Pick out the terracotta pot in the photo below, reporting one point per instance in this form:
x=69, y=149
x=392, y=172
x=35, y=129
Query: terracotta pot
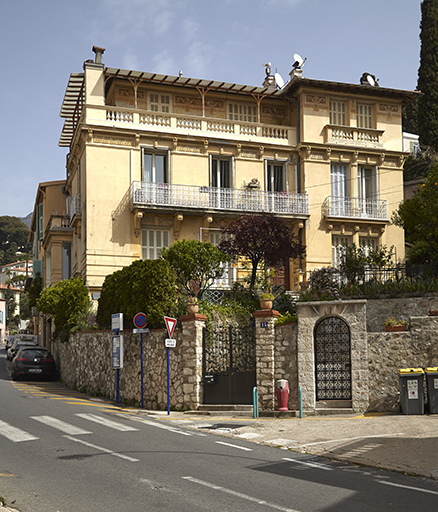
x=433, y=312
x=192, y=308
x=396, y=328
x=265, y=304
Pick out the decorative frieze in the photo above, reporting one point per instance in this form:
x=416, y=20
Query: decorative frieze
x=113, y=141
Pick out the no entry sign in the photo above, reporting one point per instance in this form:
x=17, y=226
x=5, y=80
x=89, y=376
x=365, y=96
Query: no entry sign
x=140, y=320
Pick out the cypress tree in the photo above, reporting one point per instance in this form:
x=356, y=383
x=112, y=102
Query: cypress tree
x=428, y=75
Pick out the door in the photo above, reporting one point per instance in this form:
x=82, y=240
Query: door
x=220, y=195
x=339, y=190
x=229, y=365
x=332, y=359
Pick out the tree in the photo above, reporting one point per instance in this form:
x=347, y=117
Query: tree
x=196, y=265
x=263, y=239
x=418, y=216
x=355, y=260
x=146, y=286
x=14, y=236
x=65, y=301
x=428, y=75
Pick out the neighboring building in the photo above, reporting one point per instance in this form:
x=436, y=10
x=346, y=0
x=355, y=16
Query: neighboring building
x=411, y=143
x=17, y=293
x=17, y=268
x=3, y=332
x=157, y=158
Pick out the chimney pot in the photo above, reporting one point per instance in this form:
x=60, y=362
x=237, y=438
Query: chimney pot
x=99, y=52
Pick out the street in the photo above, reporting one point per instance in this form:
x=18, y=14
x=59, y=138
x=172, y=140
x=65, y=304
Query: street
x=63, y=451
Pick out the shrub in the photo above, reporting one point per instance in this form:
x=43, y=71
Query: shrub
x=323, y=284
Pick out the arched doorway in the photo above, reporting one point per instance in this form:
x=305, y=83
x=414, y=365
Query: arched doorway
x=332, y=359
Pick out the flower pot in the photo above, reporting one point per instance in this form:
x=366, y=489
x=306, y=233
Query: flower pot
x=192, y=308
x=265, y=304
x=396, y=328
x=433, y=312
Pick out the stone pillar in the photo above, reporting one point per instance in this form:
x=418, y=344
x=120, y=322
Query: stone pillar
x=191, y=352
x=265, y=364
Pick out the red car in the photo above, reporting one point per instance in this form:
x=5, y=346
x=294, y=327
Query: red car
x=34, y=362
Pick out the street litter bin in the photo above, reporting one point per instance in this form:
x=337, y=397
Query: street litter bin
x=282, y=392
x=432, y=389
x=411, y=390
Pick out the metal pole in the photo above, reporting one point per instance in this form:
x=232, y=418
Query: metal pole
x=141, y=367
x=168, y=383
x=255, y=402
x=117, y=385
x=301, y=402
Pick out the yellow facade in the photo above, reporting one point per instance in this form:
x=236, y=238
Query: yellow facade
x=156, y=158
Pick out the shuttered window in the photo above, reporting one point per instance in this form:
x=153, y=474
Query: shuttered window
x=337, y=113
x=239, y=112
x=152, y=241
x=159, y=102
x=364, y=116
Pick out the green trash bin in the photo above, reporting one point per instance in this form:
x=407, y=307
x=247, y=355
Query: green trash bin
x=411, y=390
x=432, y=389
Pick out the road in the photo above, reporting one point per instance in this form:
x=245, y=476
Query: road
x=63, y=451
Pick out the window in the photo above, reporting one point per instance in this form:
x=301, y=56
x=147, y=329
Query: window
x=338, y=246
x=275, y=177
x=369, y=244
x=339, y=189
x=66, y=260
x=364, y=116
x=239, y=112
x=220, y=172
x=155, y=167
x=367, y=185
x=159, y=103
x=215, y=235
x=337, y=113
x=152, y=241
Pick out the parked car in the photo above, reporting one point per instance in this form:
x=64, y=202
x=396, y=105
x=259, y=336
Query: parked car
x=33, y=362
x=18, y=342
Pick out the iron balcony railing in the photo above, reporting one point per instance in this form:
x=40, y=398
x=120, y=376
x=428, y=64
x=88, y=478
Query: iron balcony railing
x=145, y=194
x=74, y=205
x=355, y=208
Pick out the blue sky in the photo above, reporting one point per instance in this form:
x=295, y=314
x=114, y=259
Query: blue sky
x=43, y=41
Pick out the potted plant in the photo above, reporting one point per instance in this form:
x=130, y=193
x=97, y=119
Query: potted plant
x=266, y=300
x=433, y=312
x=192, y=305
x=393, y=325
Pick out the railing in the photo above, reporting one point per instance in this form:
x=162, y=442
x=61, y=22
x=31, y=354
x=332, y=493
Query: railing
x=57, y=221
x=144, y=194
x=351, y=135
x=354, y=208
x=74, y=205
x=179, y=123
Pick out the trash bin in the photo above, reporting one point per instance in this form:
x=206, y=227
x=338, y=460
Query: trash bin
x=432, y=389
x=411, y=390
x=282, y=392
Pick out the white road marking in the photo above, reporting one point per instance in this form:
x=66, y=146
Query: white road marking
x=106, y=422
x=61, y=425
x=316, y=465
x=347, y=439
x=238, y=494
x=154, y=423
x=419, y=489
x=100, y=448
x=235, y=446
x=15, y=434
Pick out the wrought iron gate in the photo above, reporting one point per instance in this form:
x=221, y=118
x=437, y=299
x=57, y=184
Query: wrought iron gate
x=332, y=359
x=229, y=365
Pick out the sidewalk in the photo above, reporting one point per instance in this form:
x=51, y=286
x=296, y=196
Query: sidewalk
x=404, y=443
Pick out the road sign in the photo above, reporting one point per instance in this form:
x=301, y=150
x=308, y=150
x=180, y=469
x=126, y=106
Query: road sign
x=140, y=320
x=141, y=331
x=117, y=352
x=170, y=343
x=117, y=322
x=170, y=324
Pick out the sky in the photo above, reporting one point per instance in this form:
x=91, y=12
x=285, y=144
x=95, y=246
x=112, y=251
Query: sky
x=43, y=41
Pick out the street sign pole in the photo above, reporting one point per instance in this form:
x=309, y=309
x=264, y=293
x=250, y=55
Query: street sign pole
x=116, y=327
x=170, y=325
x=140, y=323
x=168, y=383
x=141, y=368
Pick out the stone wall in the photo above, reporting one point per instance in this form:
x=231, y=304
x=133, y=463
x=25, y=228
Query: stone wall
x=85, y=363
x=286, y=361
x=378, y=310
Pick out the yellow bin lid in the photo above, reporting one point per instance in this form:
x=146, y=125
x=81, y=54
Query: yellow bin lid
x=410, y=370
x=431, y=370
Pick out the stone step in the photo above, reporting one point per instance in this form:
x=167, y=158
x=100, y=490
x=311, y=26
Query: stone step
x=223, y=410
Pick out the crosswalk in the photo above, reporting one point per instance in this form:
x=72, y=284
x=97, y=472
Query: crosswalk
x=17, y=435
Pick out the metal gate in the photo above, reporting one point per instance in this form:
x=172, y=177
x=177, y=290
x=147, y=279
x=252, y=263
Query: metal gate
x=229, y=365
x=333, y=359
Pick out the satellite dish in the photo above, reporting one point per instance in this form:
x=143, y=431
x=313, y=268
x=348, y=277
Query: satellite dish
x=371, y=80
x=298, y=61
x=279, y=80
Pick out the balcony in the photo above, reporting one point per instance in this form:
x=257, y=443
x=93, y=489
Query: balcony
x=74, y=207
x=353, y=136
x=355, y=208
x=185, y=125
x=187, y=197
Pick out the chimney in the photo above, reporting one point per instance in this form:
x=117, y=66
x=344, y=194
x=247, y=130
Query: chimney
x=296, y=73
x=99, y=52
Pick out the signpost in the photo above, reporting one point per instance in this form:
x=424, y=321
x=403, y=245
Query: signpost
x=170, y=343
x=140, y=323
x=117, y=348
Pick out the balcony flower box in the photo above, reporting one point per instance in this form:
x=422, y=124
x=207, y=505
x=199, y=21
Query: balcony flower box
x=393, y=325
x=433, y=312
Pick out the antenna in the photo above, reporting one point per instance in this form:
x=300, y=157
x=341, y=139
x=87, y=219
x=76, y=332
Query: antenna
x=298, y=61
x=279, y=80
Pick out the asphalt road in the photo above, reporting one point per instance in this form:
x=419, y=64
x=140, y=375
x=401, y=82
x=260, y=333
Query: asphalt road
x=62, y=451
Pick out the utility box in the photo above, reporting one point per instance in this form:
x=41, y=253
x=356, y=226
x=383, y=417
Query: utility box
x=411, y=390
x=432, y=389
x=282, y=392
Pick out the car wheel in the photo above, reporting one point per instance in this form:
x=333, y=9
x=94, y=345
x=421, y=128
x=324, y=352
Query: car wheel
x=14, y=376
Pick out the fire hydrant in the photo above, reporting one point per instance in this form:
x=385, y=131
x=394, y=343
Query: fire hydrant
x=282, y=391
